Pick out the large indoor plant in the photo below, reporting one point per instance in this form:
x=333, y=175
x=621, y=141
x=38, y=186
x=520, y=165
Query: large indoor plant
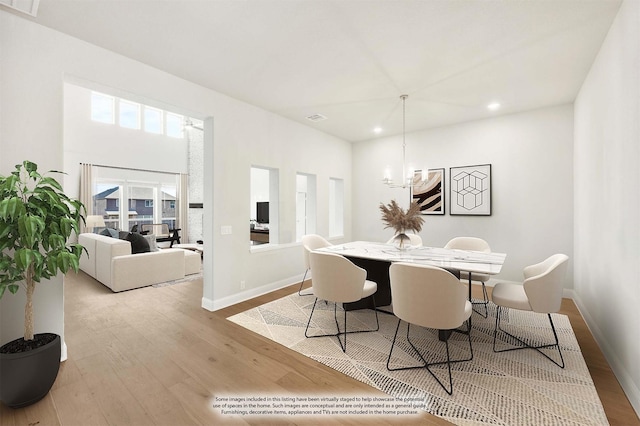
x=36, y=221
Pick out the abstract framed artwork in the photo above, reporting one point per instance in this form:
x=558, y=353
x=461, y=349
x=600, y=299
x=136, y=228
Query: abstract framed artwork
x=428, y=191
x=470, y=190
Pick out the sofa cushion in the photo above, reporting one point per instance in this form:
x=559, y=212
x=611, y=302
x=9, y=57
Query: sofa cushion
x=151, y=239
x=138, y=243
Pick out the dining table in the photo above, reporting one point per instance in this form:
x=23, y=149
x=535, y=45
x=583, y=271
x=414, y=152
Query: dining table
x=376, y=257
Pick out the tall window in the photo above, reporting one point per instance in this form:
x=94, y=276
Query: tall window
x=153, y=120
x=336, y=207
x=102, y=108
x=305, y=205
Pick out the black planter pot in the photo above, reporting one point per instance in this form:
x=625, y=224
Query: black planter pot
x=26, y=377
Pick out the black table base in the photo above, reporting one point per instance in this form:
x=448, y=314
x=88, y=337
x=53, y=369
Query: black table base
x=378, y=272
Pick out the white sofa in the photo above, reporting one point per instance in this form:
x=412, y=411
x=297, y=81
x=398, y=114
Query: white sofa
x=110, y=261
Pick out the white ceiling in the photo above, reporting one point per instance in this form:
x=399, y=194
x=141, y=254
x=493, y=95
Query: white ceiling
x=350, y=60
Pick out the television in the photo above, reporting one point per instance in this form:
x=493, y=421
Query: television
x=262, y=211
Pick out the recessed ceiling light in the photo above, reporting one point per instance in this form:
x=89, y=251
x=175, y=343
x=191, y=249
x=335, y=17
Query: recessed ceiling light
x=377, y=129
x=493, y=106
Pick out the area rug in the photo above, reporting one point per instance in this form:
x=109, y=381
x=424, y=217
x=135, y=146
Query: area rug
x=509, y=388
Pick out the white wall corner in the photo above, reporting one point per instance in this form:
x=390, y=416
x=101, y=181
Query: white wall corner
x=621, y=373
x=217, y=304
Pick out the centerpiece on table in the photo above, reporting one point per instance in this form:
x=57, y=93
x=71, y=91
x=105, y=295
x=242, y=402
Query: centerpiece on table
x=402, y=221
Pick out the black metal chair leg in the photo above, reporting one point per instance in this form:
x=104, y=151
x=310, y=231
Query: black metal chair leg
x=345, y=332
x=485, y=302
x=525, y=345
x=426, y=364
x=302, y=283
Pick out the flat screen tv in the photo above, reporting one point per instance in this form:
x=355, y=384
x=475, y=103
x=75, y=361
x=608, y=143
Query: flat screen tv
x=262, y=211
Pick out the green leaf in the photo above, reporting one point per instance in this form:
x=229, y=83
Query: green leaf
x=51, y=182
x=10, y=208
x=30, y=228
x=29, y=166
x=24, y=258
x=64, y=261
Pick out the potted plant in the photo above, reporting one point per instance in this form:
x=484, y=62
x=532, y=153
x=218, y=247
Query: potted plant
x=36, y=221
x=402, y=221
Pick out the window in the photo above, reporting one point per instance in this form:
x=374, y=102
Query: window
x=336, y=207
x=126, y=198
x=168, y=199
x=153, y=120
x=102, y=108
x=129, y=114
x=175, y=125
x=305, y=205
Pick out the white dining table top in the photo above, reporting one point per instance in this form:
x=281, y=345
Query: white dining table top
x=452, y=259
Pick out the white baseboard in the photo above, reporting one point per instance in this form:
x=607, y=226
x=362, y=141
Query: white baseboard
x=629, y=387
x=216, y=304
x=63, y=351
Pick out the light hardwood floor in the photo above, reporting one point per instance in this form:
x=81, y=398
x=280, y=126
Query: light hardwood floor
x=153, y=356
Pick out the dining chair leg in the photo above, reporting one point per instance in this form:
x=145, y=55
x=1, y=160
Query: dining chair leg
x=302, y=283
x=426, y=364
x=338, y=333
x=485, y=301
x=525, y=345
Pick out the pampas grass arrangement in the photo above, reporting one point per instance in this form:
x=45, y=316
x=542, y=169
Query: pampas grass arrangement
x=395, y=217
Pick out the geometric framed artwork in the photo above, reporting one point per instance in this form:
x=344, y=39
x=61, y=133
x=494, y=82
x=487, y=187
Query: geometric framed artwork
x=428, y=191
x=470, y=190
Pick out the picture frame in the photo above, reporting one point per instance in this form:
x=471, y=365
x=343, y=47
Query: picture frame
x=470, y=190
x=429, y=191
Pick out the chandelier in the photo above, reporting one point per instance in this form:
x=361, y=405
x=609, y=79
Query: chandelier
x=407, y=178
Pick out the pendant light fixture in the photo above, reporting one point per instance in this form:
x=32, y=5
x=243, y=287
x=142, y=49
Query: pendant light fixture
x=407, y=179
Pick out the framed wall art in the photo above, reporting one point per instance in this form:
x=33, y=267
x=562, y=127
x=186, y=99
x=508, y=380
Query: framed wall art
x=470, y=190
x=428, y=191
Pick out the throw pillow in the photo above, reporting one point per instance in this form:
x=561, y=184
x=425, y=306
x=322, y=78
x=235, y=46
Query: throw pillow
x=109, y=232
x=151, y=239
x=138, y=243
x=123, y=235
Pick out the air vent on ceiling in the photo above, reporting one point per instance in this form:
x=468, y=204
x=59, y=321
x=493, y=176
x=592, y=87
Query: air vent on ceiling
x=316, y=117
x=30, y=7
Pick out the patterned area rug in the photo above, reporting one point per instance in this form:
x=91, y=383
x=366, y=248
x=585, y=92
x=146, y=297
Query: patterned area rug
x=509, y=388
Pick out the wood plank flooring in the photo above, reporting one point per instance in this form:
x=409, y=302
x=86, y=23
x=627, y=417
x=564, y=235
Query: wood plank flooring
x=153, y=356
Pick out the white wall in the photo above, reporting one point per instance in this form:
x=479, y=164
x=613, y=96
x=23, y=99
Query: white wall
x=36, y=62
x=532, y=180
x=607, y=198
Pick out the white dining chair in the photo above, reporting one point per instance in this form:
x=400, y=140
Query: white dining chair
x=540, y=292
x=309, y=243
x=431, y=297
x=336, y=279
x=473, y=244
